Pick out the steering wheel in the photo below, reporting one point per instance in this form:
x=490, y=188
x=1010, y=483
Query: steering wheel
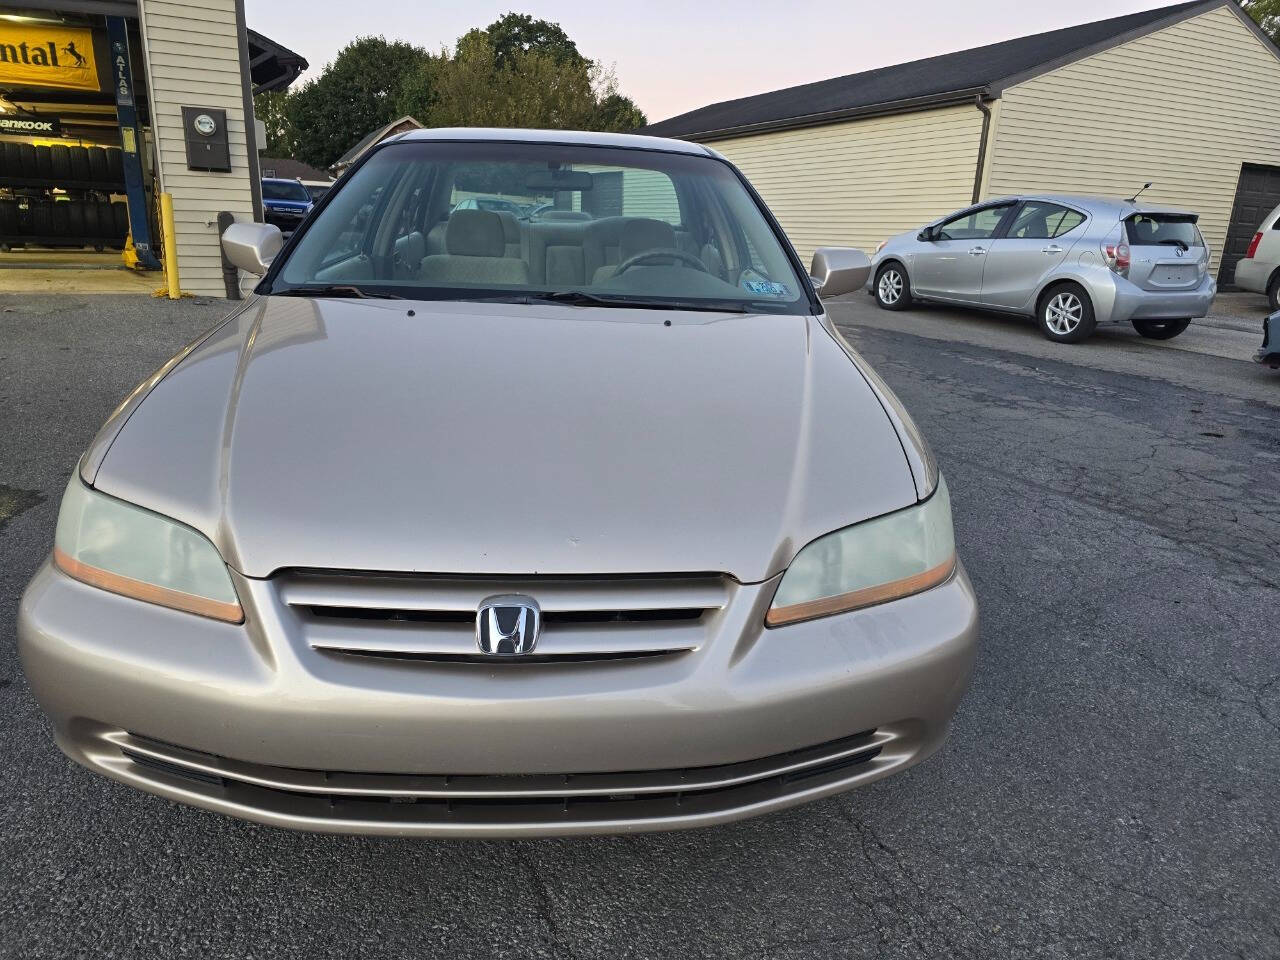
x=659, y=253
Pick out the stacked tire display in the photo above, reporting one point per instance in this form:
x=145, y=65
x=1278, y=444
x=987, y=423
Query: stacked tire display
x=84, y=219
x=63, y=223
x=69, y=167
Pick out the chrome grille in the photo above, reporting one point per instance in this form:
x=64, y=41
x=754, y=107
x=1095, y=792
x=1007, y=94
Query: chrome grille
x=433, y=617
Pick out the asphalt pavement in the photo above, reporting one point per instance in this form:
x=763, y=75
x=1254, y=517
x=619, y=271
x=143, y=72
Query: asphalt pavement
x=1109, y=788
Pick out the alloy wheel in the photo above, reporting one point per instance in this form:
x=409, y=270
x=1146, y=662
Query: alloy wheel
x=1063, y=313
x=890, y=288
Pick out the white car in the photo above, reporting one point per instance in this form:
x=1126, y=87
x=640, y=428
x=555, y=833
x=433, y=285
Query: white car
x=1259, y=271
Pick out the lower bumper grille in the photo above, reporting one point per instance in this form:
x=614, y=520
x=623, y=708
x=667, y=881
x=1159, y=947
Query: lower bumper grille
x=506, y=804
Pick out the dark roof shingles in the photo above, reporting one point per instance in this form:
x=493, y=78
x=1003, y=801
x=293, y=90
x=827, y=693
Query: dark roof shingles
x=920, y=79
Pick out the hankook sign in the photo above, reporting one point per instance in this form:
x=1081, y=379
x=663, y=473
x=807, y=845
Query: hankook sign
x=31, y=126
x=36, y=55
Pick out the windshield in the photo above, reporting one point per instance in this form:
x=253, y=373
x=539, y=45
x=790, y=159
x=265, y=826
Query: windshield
x=479, y=220
x=1155, y=229
x=284, y=190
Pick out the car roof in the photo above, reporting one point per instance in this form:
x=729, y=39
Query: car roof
x=627, y=141
x=1097, y=205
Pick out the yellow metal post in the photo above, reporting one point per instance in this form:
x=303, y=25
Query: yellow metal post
x=170, y=247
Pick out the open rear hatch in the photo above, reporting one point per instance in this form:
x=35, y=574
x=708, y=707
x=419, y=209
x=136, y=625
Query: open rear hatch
x=1167, y=251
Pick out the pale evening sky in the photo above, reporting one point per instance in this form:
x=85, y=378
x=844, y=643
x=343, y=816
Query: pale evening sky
x=675, y=55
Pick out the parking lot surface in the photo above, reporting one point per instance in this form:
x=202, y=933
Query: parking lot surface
x=1109, y=789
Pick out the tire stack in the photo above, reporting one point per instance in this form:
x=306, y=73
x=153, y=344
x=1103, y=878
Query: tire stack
x=64, y=223
x=86, y=219
x=66, y=166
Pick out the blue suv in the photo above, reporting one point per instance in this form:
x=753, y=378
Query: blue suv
x=286, y=203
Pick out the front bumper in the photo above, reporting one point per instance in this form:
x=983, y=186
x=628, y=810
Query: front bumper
x=251, y=721
x=286, y=220
x=1269, y=352
x=1130, y=302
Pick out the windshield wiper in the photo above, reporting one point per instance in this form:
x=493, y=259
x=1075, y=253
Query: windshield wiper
x=581, y=298
x=334, y=290
x=1174, y=242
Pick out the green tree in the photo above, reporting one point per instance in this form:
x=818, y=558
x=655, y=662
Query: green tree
x=358, y=92
x=531, y=76
x=617, y=114
x=517, y=33
x=532, y=89
x=1267, y=15
x=273, y=110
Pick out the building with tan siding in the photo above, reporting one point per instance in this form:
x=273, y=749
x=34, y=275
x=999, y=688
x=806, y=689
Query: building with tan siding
x=158, y=99
x=1186, y=96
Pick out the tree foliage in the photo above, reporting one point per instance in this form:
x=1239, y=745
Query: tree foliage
x=1267, y=15
x=516, y=72
x=356, y=93
x=518, y=33
x=273, y=110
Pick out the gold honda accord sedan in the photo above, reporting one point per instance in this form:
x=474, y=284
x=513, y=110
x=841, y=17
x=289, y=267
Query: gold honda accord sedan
x=531, y=492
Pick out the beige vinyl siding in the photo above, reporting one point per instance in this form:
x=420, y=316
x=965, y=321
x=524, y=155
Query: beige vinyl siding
x=649, y=193
x=859, y=182
x=1183, y=107
x=193, y=58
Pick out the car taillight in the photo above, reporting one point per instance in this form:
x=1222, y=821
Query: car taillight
x=880, y=245
x=1253, y=246
x=1117, y=257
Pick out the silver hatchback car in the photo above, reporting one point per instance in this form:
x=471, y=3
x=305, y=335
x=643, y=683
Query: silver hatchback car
x=473, y=526
x=1071, y=262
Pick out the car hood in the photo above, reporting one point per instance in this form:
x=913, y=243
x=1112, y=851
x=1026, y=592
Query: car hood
x=509, y=439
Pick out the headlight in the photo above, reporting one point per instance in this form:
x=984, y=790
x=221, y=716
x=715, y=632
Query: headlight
x=116, y=546
x=871, y=562
x=881, y=245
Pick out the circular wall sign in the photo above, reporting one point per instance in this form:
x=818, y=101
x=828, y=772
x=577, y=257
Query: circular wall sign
x=205, y=125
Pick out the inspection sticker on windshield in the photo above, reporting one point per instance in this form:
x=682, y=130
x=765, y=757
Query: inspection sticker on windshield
x=766, y=288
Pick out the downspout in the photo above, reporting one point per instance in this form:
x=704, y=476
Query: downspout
x=981, y=104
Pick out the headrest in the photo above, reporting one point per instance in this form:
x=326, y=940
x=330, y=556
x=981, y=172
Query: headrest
x=554, y=214
x=510, y=226
x=475, y=233
x=643, y=234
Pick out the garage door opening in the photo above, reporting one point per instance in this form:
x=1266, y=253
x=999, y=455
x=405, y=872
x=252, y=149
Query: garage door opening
x=1257, y=194
x=75, y=157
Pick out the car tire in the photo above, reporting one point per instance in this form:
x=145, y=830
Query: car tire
x=1065, y=313
x=1273, y=292
x=893, y=287
x=1161, y=329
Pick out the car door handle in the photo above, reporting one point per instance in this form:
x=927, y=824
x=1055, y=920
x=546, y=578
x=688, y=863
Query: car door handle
x=978, y=252
x=1052, y=248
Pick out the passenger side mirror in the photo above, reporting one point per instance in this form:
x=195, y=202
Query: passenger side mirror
x=838, y=270
x=252, y=246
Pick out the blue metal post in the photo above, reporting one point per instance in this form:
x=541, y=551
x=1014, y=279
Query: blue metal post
x=130, y=140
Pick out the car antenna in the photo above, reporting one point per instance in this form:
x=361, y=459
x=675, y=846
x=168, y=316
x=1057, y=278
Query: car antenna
x=1145, y=187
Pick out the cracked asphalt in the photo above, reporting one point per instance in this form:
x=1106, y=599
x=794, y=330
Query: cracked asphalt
x=1110, y=788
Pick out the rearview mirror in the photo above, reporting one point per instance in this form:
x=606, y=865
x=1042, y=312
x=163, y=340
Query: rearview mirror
x=252, y=246
x=838, y=270
x=554, y=181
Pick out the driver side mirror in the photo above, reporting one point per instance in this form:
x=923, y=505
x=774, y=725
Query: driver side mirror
x=838, y=270
x=926, y=235
x=252, y=246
